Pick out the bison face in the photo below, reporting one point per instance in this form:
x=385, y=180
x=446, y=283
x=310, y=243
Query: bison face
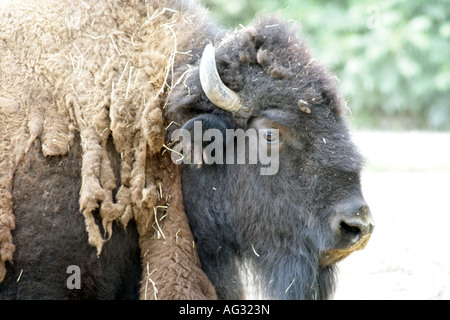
x=280, y=232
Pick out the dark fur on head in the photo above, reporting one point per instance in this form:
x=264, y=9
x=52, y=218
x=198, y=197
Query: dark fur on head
x=278, y=225
x=270, y=46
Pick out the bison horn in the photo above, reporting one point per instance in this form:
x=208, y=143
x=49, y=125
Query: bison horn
x=214, y=88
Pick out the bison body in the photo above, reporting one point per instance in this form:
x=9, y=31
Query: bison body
x=91, y=94
x=50, y=236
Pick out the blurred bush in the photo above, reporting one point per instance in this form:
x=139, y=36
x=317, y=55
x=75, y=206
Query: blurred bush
x=392, y=57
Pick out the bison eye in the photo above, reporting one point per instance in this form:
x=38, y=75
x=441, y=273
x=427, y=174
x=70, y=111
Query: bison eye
x=271, y=135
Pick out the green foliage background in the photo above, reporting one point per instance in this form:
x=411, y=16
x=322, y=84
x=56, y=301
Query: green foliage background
x=392, y=56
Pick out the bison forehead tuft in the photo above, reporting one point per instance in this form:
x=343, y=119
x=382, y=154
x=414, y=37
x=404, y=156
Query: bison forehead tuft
x=269, y=58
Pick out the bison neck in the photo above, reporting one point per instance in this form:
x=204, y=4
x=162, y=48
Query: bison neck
x=285, y=280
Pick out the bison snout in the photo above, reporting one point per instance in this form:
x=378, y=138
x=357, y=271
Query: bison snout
x=353, y=227
x=352, y=230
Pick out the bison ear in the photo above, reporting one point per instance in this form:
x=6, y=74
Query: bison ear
x=206, y=122
x=207, y=133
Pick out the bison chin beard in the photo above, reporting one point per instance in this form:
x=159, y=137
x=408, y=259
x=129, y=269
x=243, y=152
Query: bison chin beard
x=286, y=278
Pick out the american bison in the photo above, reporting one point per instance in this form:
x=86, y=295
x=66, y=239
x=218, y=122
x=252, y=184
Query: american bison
x=91, y=93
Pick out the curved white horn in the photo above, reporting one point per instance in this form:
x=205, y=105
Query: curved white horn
x=212, y=85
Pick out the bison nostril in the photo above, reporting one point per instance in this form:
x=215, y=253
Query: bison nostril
x=351, y=230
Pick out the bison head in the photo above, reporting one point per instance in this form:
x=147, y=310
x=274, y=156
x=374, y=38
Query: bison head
x=285, y=230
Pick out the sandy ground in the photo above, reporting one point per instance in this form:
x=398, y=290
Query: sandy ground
x=407, y=185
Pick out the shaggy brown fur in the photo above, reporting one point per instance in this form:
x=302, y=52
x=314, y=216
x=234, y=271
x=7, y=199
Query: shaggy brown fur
x=98, y=69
